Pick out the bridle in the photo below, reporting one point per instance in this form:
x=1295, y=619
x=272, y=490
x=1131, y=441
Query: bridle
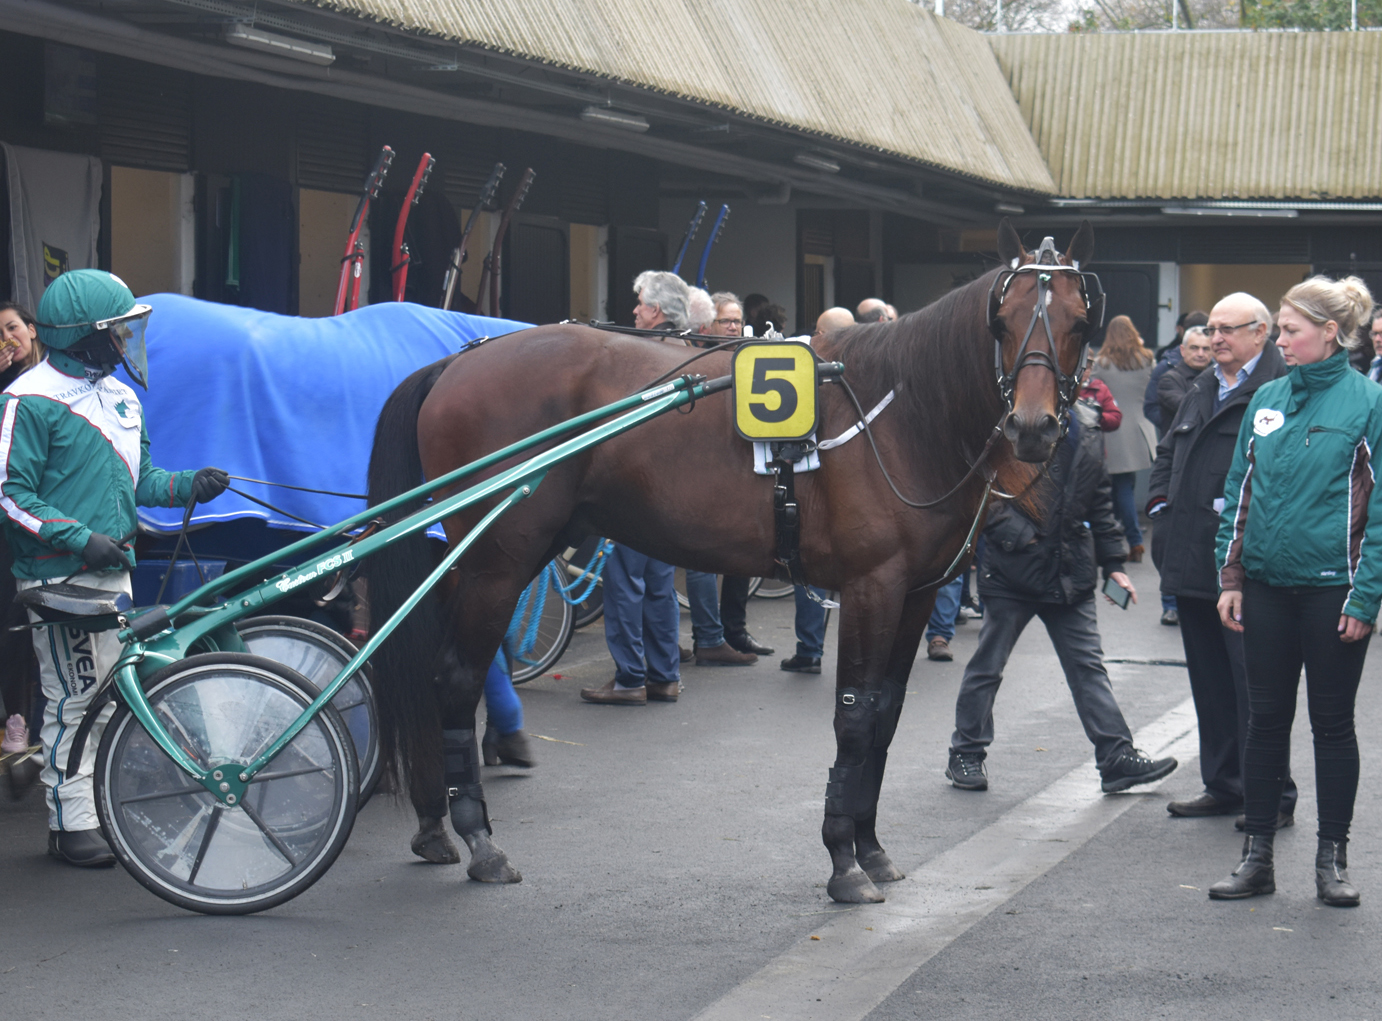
x=1045, y=264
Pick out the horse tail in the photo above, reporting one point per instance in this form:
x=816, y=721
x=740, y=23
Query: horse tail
x=406, y=663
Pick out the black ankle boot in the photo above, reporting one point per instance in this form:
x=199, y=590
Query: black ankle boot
x=1253, y=876
x=1331, y=875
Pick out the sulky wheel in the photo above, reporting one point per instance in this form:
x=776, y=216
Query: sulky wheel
x=188, y=847
x=318, y=653
x=541, y=628
x=772, y=588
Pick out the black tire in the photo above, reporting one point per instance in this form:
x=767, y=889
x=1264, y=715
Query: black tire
x=554, y=631
x=318, y=653
x=217, y=703
x=573, y=566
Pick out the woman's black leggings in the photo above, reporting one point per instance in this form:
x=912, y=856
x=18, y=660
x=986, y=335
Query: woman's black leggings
x=1285, y=628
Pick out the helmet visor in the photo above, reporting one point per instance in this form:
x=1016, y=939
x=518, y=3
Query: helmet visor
x=127, y=332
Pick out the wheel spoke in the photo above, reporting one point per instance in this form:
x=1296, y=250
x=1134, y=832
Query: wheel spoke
x=286, y=773
x=348, y=705
x=179, y=792
x=211, y=825
x=273, y=837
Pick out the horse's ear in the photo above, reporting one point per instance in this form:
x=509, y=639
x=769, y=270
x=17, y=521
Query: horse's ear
x=1010, y=249
x=1081, y=248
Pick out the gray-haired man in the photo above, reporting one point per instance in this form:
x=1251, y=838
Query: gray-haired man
x=1188, y=486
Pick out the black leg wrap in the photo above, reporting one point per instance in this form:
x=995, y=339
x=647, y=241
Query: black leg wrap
x=851, y=791
x=878, y=711
x=463, y=787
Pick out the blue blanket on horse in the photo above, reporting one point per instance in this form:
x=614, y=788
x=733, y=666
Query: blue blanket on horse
x=283, y=399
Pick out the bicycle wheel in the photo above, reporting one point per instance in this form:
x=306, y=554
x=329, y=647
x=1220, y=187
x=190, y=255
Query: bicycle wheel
x=573, y=566
x=771, y=588
x=554, y=619
x=183, y=844
x=318, y=653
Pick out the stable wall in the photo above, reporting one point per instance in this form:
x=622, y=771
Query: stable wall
x=1202, y=285
x=756, y=252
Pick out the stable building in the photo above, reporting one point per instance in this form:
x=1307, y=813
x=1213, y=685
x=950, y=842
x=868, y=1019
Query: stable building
x=863, y=147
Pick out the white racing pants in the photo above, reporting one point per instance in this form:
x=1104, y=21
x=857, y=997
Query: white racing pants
x=71, y=666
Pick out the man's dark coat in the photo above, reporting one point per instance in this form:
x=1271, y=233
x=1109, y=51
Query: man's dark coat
x=1055, y=560
x=1192, y=460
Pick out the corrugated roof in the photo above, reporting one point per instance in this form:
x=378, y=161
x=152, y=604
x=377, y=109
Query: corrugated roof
x=1203, y=115
x=885, y=74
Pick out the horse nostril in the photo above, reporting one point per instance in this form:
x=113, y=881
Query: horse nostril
x=1050, y=428
x=1012, y=428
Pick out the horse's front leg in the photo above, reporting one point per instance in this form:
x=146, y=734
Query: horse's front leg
x=916, y=612
x=870, y=684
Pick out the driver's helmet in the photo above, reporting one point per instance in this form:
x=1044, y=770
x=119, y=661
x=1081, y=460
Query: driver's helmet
x=91, y=315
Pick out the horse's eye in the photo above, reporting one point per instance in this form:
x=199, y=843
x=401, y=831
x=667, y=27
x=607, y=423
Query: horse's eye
x=1080, y=326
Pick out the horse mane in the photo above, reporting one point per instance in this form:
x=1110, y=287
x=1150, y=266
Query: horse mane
x=942, y=355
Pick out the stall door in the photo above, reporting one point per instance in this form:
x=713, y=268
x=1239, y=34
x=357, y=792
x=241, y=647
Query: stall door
x=1133, y=291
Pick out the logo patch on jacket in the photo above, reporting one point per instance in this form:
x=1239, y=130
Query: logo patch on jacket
x=1267, y=421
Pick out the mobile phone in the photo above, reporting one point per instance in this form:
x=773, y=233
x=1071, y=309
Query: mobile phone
x=1117, y=593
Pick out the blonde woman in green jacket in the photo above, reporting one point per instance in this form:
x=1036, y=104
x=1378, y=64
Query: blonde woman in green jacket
x=1300, y=554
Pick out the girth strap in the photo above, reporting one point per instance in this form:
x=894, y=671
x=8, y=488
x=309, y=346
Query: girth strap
x=787, y=514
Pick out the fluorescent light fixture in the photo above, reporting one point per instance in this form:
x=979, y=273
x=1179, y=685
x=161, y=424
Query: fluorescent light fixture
x=1012, y=209
x=615, y=118
x=810, y=159
x=285, y=46
x=1277, y=213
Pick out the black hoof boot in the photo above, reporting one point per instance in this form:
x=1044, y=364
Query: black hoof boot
x=431, y=842
x=1254, y=875
x=1331, y=875
x=469, y=816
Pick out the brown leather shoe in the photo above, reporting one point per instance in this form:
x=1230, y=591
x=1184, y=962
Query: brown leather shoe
x=663, y=691
x=609, y=696
x=1135, y=554
x=685, y=653
x=939, y=650
x=723, y=655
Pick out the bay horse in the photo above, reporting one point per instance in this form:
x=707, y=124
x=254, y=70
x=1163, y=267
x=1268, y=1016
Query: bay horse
x=681, y=488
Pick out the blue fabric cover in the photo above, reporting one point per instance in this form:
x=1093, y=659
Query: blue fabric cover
x=283, y=398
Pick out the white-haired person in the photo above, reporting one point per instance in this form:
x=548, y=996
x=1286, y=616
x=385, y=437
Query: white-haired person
x=1300, y=555
x=642, y=616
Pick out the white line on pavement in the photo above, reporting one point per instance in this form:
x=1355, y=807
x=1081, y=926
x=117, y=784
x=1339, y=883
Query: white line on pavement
x=851, y=968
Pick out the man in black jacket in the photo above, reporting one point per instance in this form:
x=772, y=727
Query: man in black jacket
x=1048, y=568
x=1188, y=486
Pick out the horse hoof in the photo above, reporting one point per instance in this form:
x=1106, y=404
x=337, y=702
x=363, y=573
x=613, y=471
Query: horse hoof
x=879, y=867
x=854, y=887
x=494, y=869
x=431, y=843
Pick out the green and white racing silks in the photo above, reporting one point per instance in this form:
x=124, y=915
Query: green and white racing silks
x=74, y=459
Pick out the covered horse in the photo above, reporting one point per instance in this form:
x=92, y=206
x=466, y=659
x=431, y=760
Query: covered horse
x=982, y=381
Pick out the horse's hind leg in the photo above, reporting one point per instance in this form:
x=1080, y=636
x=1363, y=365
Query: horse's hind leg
x=869, y=853
x=461, y=684
x=428, y=794
x=879, y=633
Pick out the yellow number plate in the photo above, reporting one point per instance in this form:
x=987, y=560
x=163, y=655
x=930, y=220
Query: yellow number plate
x=774, y=391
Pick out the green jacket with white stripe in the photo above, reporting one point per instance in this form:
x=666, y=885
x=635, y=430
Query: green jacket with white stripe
x=1301, y=507
x=74, y=459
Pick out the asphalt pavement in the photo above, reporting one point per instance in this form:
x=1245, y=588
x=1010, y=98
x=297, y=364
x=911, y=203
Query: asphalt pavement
x=673, y=869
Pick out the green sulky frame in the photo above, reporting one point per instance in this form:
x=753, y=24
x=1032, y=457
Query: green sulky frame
x=156, y=638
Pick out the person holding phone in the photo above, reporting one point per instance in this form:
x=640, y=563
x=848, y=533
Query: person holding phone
x=1041, y=559
x=1301, y=573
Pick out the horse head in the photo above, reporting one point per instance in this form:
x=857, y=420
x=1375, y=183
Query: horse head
x=1042, y=310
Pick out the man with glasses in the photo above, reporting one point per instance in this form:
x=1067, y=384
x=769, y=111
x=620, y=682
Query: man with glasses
x=1188, y=480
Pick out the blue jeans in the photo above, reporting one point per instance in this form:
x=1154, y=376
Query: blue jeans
x=503, y=710
x=1126, y=507
x=810, y=622
x=706, y=630
x=642, y=618
x=1167, y=602
x=942, y=623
